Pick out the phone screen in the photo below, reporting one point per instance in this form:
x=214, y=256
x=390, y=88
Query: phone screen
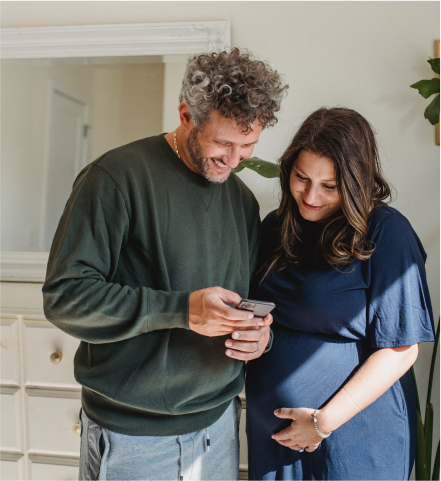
x=259, y=308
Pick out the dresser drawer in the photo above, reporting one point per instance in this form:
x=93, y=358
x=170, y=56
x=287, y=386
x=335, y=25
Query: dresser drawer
x=11, y=469
x=53, y=472
x=53, y=424
x=11, y=427
x=9, y=351
x=48, y=353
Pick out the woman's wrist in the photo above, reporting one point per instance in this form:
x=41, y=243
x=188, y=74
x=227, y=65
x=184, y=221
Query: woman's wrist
x=323, y=424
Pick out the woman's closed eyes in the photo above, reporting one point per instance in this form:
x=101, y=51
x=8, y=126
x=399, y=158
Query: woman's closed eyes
x=329, y=187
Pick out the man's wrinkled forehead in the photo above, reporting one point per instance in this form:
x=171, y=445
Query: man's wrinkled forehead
x=222, y=127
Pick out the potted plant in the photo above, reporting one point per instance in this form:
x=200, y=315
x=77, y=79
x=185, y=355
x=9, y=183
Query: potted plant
x=423, y=457
x=426, y=88
x=262, y=167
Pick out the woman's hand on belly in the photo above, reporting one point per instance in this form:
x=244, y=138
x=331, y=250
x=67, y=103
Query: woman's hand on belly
x=301, y=434
x=378, y=373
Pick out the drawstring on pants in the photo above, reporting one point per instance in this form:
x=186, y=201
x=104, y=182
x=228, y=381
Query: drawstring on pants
x=207, y=440
x=181, y=461
x=181, y=449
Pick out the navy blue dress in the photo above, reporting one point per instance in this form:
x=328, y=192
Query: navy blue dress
x=326, y=323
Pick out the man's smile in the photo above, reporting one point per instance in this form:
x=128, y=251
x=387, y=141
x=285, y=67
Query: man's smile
x=220, y=164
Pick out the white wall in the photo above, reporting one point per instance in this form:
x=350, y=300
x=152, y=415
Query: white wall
x=362, y=55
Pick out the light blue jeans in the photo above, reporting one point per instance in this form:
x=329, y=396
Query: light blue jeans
x=209, y=454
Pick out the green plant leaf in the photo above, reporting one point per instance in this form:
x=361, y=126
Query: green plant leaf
x=421, y=470
x=432, y=111
x=432, y=364
x=428, y=434
x=417, y=397
x=239, y=168
x=434, y=63
x=426, y=88
x=435, y=474
x=262, y=167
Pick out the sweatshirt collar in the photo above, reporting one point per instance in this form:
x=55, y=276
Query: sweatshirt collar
x=203, y=188
x=181, y=167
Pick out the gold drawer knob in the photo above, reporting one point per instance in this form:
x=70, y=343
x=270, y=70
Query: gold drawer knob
x=76, y=428
x=56, y=357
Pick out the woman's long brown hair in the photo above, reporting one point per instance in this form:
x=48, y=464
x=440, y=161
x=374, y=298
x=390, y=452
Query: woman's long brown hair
x=347, y=138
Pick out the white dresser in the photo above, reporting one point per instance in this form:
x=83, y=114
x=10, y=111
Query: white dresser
x=40, y=400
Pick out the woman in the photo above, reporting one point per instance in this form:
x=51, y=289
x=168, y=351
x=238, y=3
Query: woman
x=346, y=273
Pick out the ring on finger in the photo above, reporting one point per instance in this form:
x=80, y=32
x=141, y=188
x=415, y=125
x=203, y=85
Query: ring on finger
x=300, y=449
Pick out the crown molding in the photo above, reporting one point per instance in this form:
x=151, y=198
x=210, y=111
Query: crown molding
x=175, y=38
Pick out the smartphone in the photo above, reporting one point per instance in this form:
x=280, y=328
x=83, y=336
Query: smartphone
x=259, y=308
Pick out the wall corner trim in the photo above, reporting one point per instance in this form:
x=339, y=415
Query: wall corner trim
x=23, y=266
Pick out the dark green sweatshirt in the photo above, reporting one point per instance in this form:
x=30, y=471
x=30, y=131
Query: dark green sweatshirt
x=139, y=233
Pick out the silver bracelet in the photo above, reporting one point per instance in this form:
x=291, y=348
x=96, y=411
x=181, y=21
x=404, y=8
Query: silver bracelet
x=270, y=342
x=324, y=436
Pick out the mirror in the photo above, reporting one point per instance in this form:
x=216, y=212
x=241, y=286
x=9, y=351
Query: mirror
x=60, y=114
x=70, y=94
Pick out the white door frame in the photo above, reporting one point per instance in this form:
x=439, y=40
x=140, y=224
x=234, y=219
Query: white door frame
x=55, y=87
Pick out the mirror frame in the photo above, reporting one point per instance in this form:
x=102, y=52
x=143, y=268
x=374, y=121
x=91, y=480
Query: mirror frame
x=177, y=38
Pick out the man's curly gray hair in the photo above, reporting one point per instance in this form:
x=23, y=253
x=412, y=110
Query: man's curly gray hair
x=236, y=85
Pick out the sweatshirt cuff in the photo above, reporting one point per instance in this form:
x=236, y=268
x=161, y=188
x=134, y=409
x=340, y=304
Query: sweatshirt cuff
x=167, y=310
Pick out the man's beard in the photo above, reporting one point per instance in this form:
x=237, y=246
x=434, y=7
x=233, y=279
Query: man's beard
x=202, y=164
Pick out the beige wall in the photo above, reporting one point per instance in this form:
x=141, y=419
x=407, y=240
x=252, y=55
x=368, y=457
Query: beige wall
x=174, y=68
x=18, y=113
x=362, y=55
x=135, y=107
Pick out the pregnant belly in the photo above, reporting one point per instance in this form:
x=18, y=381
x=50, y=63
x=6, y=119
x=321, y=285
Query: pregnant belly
x=301, y=370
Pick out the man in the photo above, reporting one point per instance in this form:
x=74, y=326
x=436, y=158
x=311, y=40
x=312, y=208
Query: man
x=157, y=238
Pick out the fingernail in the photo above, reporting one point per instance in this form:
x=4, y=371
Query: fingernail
x=261, y=323
x=256, y=328
x=228, y=343
x=229, y=353
x=235, y=335
x=250, y=316
x=276, y=412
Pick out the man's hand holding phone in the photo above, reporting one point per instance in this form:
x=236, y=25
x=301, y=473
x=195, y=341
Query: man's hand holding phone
x=210, y=316
x=248, y=344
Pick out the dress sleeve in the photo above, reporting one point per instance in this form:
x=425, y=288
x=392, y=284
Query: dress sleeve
x=399, y=307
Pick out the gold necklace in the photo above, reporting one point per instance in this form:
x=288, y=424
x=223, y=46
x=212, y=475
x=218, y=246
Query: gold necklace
x=176, y=144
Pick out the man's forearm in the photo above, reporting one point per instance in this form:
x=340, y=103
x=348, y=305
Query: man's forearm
x=96, y=311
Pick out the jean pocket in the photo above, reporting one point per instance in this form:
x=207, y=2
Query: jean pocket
x=95, y=446
x=81, y=421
